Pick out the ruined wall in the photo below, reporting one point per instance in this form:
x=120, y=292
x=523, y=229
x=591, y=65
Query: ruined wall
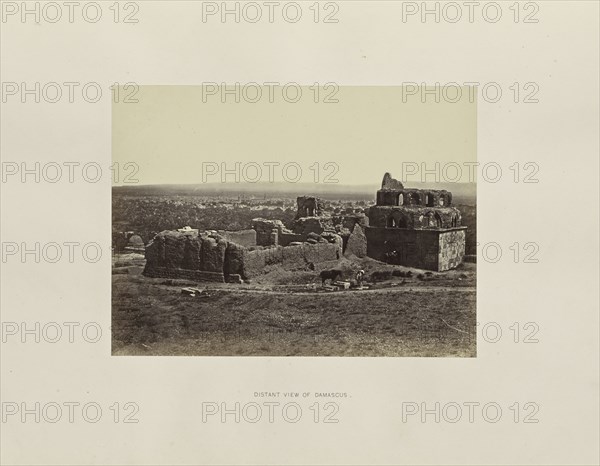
x=452, y=249
x=174, y=254
x=246, y=238
x=290, y=257
x=304, y=226
x=424, y=249
x=357, y=242
x=414, y=217
x=286, y=238
x=391, y=183
x=308, y=206
x=267, y=231
x=349, y=221
x=204, y=257
x=234, y=259
x=415, y=197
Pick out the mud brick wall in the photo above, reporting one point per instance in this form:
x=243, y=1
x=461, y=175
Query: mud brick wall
x=423, y=249
x=246, y=238
x=172, y=254
x=234, y=259
x=287, y=238
x=290, y=257
x=305, y=225
x=265, y=234
x=185, y=251
x=357, y=242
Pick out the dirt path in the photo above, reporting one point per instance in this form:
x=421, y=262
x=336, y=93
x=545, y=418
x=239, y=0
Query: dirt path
x=466, y=289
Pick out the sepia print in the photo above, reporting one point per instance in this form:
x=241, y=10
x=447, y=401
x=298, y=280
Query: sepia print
x=254, y=260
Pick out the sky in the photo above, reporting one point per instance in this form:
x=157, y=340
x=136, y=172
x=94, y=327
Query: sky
x=187, y=134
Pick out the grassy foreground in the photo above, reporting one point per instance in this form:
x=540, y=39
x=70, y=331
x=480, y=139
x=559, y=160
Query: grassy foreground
x=406, y=318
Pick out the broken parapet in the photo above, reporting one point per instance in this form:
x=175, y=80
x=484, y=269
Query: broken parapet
x=305, y=225
x=389, y=183
x=309, y=206
x=267, y=231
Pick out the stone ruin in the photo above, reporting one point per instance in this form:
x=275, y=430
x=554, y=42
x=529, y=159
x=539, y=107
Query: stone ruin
x=219, y=256
x=311, y=224
x=208, y=256
x=415, y=227
x=412, y=227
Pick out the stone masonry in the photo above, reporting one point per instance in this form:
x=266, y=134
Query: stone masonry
x=415, y=227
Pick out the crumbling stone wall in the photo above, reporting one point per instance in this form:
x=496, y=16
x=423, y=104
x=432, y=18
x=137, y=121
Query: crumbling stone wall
x=210, y=257
x=234, y=259
x=414, y=217
x=173, y=254
x=246, y=238
x=289, y=257
x=267, y=231
x=286, y=238
x=349, y=221
x=309, y=206
x=415, y=227
x=452, y=249
x=391, y=183
x=414, y=197
x=423, y=249
x=274, y=233
x=304, y=226
x=357, y=242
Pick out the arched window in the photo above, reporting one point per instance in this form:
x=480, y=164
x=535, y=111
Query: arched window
x=400, y=199
x=429, y=220
x=429, y=199
x=442, y=200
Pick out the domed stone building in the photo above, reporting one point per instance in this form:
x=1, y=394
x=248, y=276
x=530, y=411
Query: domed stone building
x=415, y=227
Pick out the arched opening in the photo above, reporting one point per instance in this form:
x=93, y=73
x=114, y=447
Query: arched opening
x=429, y=200
x=455, y=220
x=402, y=222
x=429, y=220
x=400, y=200
x=391, y=222
x=437, y=220
x=310, y=212
x=442, y=201
x=415, y=199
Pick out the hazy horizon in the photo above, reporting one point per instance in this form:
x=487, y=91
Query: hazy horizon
x=175, y=135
